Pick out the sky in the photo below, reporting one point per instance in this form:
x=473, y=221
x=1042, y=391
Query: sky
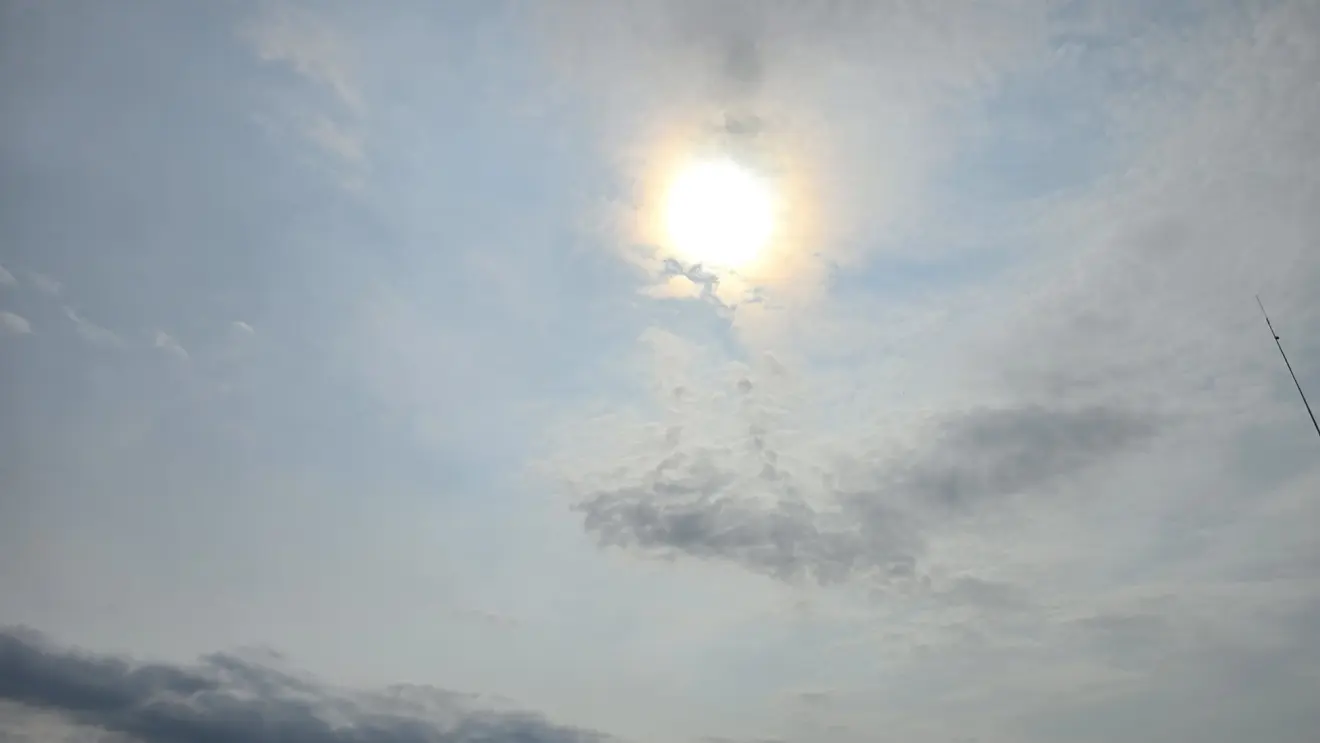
x=350, y=392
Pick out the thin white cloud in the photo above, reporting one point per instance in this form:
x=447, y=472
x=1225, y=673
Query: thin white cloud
x=338, y=140
x=45, y=284
x=7, y=278
x=242, y=328
x=676, y=287
x=93, y=333
x=12, y=324
x=314, y=48
x=306, y=40
x=167, y=343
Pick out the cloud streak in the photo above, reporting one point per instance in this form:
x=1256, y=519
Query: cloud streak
x=14, y=324
x=167, y=344
x=45, y=284
x=92, y=333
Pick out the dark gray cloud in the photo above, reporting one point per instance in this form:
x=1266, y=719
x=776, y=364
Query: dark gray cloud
x=701, y=503
x=227, y=698
x=997, y=452
x=786, y=540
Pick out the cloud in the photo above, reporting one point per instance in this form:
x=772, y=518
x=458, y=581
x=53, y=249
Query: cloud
x=14, y=324
x=231, y=698
x=45, y=284
x=794, y=90
x=242, y=328
x=676, y=287
x=819, y=698
x=734, y=470
x=774, y=517
x=166, y=342
x=337, y=139
x=93, y=333
x=7, y=278
x=988, y=453
x=1004, y=416
x=488, y=618
x=309, y=44
x=1124, y=329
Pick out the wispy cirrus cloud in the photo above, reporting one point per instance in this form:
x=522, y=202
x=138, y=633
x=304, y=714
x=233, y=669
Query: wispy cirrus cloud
x=167, y=343
x=93, y=333
x=316, y=49
x=45, y=284
x=14, y=324
x=320, y=53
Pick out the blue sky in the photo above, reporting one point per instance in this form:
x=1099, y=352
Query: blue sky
x=343, y=386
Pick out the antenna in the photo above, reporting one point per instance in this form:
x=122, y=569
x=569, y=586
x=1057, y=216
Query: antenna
x=1270, y=325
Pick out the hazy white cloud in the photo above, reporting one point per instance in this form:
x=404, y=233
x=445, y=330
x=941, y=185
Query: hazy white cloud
x=289, y=33
x=7, y=278
x=167, y=343
x=337, y=140
x=675, y=287
x=14, y=324
x=324, y=55
x=45, y=284
x=93, y=333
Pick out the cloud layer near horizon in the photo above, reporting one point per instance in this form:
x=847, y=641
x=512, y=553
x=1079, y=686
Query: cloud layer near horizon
x=231, y=698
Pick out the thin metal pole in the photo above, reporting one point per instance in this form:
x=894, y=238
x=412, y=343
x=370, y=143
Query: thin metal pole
x=1270, y=325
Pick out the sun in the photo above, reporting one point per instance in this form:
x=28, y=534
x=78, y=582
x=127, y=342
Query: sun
x=718, y=214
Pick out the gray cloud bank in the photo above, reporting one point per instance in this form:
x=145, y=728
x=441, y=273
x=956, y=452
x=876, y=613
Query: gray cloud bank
x=871, y=522
x=230, y=698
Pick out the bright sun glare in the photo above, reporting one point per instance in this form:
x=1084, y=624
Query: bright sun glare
x=718, y=214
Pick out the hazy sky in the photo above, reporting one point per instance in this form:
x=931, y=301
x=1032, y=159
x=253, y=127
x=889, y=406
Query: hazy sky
x=343, y=384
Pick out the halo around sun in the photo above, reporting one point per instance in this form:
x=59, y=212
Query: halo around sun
x=746, y=208
x=718, y=214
